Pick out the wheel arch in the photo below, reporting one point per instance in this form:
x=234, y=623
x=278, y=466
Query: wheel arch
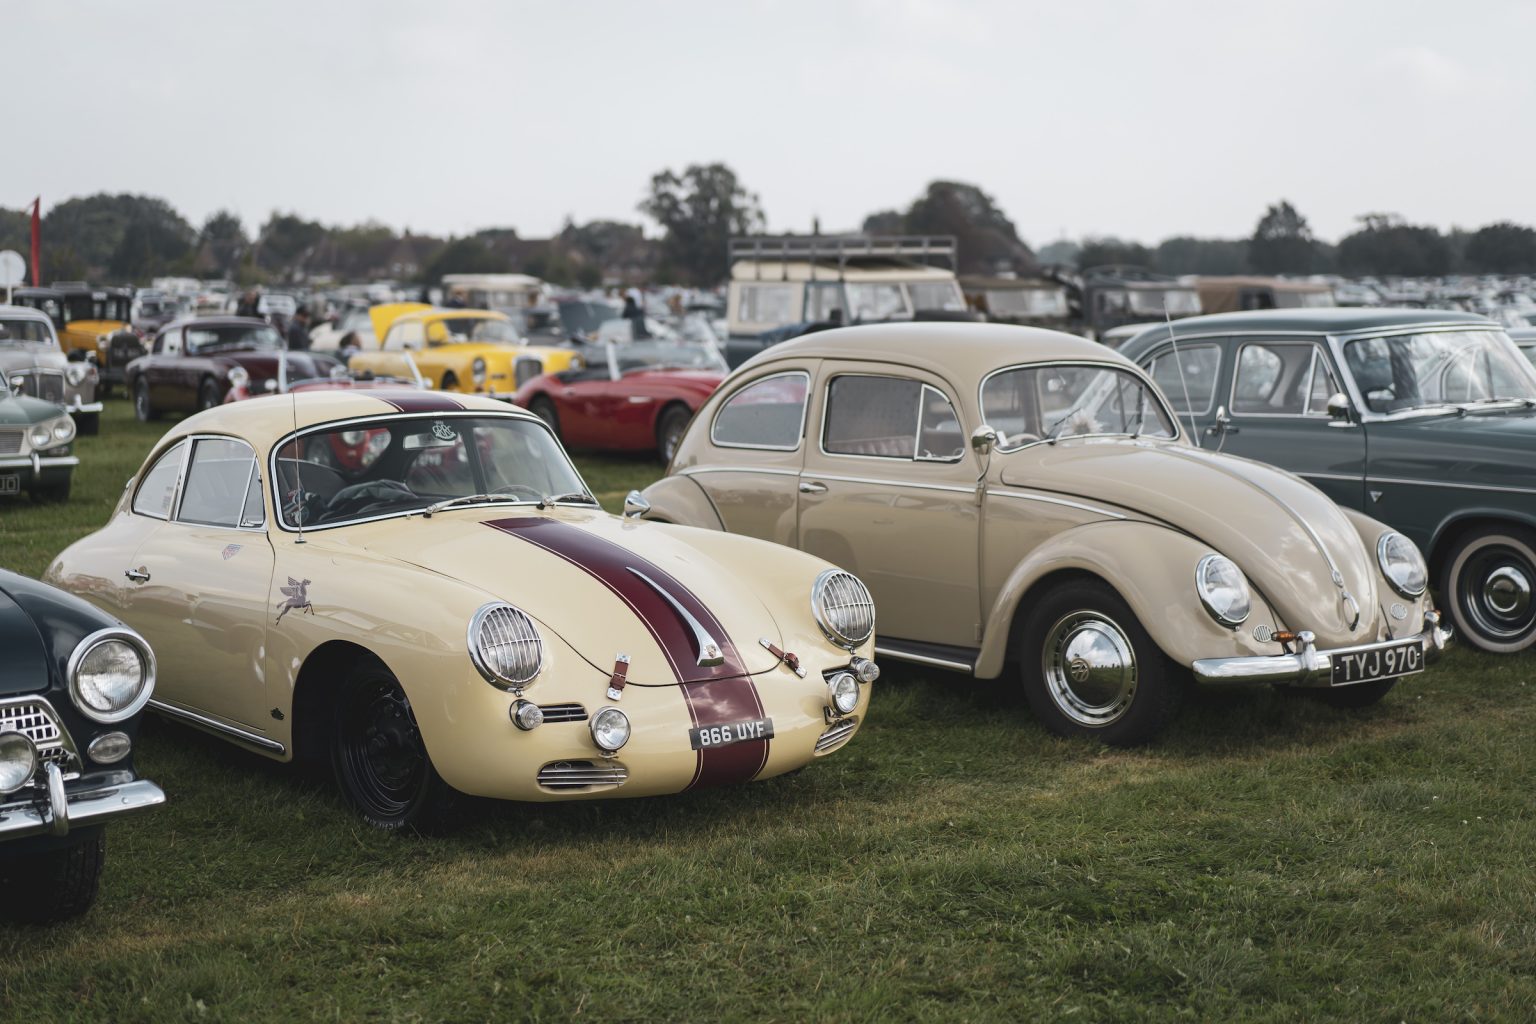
x=1462, y=522
x=311, y=711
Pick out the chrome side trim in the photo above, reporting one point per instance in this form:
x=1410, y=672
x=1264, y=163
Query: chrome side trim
x=1351, y=478
x=1457, y=487
x=1022, y=496
x=769, y=470
x=887, y=483
x=709, y=650
x=213, y=725
x=924, y=659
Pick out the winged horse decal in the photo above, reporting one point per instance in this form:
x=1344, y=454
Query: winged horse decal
x=296, y=599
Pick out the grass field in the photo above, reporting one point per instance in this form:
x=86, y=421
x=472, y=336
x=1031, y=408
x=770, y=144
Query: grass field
x=1271, y=859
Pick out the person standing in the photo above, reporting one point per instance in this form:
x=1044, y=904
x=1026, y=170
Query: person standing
x=635, y=314
x=298, y=330
x=249, y=304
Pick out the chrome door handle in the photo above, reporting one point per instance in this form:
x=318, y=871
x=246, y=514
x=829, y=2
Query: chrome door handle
x=139, y=575
x=812, y=487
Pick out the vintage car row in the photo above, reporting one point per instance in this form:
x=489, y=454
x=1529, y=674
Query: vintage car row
x=32, y=363
x=94, y=324
x=1023, y=500
x=467, y=351
x=1423, y=419
x=419, y=588
x=73, y=682
x=36, y=447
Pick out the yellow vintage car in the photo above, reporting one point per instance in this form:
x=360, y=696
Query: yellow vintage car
x=470, y=351
x=98, y=322
x=420, y=588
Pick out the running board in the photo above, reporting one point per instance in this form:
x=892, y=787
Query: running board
x=233, y=732
x=956, y=659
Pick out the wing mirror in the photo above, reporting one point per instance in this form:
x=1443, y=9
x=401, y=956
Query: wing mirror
x=1338, y=408
x=635, y=505
x=983, y=440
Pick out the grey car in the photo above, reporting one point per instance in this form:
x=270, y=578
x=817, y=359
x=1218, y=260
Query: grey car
x=34, y=364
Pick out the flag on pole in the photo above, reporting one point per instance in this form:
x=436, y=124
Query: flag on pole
x=37, y=263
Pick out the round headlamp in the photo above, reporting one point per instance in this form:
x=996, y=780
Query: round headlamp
x=75, y=373
x=1402, y=564
x=111, y=675
x=843, y=608
x=63, y=429
x=238, y=376
x=477, y=370
x=41, y=435
x=505, y=646
x=18, y=761
x=610, y=729
x=1223, y=590
x=843, y=692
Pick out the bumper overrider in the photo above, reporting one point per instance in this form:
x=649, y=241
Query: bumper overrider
x=1307, y=666
x=53, y=808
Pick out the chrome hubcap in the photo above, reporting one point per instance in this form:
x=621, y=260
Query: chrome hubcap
x=1508, y=592
x=1090, y=668
x=1493, y=591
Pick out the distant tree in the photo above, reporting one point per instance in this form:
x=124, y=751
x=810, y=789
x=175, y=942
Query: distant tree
x=1387, y=246
x=1063, y=251
x=1282, y=243
x=700, y=210
x=1185, y=255
x=285, y=243
x=155, y=240
x=1099, y=252
x=96, y=232
x=1502, y=248
x=469, y=255
x=987, y=239
x=222, y=244
x=885, y=222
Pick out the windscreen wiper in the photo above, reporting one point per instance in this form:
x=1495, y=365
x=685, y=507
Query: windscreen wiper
x=578, y=497
x=464, y=499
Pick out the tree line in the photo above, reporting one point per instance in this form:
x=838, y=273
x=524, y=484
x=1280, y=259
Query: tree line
x=127, y=238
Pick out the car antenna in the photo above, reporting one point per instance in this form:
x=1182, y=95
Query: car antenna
x=298, y=481
x=1194, y=431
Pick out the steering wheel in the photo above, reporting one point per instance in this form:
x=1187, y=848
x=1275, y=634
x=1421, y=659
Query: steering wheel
x=360, y=497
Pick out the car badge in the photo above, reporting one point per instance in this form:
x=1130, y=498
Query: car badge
x=617, y=680
x=230, y=551
x=296, y=599
x=442, y=431
x=1376, y=496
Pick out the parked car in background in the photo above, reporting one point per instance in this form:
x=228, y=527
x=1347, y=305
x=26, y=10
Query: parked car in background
x=152, y=310
x=1424, y=419
x=460, y=615
x=196, y=362
x=33, y=364
x=98, y=324
x=36, y=446
x=505, y=293
x=1114, y=296
x=1024, y=500
x=352, y=331
x=1233, y=293
x=634, y=396
x=72, y=689
x=1029, y=301
x=470, y=351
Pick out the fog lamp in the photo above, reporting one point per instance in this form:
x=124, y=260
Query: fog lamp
x=843, y=692
x=18, y=761
x=109, y=747
x=527, y=715
x=866, y=670
x=610, y=729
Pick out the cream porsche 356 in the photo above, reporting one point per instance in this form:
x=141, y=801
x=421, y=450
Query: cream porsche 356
x=1021, y=497
x=420, y=587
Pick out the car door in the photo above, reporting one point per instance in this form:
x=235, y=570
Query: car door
x=1278, y=413
x=587, y=400
x=199, y=583
x=757, y=439
x=159, y=368
x=888, y=492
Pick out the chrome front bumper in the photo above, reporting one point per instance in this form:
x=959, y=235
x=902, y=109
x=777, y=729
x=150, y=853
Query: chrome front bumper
x=59, y=811
x=37, y=463
x=78, y=406
x=1308, y=666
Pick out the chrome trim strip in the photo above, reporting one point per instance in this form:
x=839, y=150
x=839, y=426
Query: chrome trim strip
x=923, y=659
x=1441, y=483
x=888, y=483
x=245, y=736
x=1056, y=501
x=709, y=650
x=769, y=470
x=1352, y=478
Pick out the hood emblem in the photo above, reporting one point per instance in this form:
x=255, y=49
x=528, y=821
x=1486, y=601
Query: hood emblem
x=708, y=648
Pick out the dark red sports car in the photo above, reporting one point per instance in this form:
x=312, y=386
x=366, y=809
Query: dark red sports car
x=634, y=396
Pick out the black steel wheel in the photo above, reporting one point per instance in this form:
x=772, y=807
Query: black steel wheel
x=1487, y=587
x=669, y=430
x=378, y=756
x=54, y=884
x=142, y=409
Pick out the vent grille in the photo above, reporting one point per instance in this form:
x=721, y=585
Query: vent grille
x=36, y=721
x=10, y=441
x=563, y=713
x=564, y=776
x=844, y=607
x=836, y=735
x=508, y=645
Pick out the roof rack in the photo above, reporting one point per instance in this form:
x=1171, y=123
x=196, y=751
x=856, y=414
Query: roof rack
x=844, y=250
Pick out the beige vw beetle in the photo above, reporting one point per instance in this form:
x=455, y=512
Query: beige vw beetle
x=1016, y=495
x=420, y=587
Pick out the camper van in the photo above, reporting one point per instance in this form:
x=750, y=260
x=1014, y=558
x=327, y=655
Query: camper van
x=504, y=292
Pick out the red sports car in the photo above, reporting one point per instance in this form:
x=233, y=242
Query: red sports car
x=634, y=396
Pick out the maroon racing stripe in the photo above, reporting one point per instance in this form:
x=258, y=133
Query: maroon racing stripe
x=419, y=401
x=715, y=694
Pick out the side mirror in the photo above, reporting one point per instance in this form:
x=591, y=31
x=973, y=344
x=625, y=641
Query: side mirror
x=983, y=440
x=635, y=505
x=1338, y=408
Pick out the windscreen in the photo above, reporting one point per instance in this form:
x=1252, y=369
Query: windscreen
x=24, y=332
x=203, y=338
x=1029, y=404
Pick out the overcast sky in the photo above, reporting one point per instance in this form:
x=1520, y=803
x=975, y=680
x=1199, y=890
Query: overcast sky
x=1140, y=119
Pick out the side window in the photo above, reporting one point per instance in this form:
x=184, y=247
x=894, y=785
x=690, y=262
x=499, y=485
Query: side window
x=1188, y=381
x=406, y=335
x=769, y=304
x=824, y=301
x=169, y=342
x=157, y=487
x=1279, y=379
x=875, y=417
x=939, y=438
x=218, y=483
x=768, y=413
x=1324, y=386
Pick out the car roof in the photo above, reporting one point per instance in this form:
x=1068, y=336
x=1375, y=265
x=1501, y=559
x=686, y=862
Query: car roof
x=24, y=313
x=1320, y=320
x=217, y=321
x=947, y=348
x=263, y=421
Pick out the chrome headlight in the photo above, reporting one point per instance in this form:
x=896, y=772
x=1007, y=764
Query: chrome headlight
x=843, y=608
x=41, y=434
x=63, y=430
x=843, y=692
x=610, y=730
x=1402, y=564
x=1223, y=590
x=17, y=383
x=74, y=373
x=477, y=370
x=238, y=377
x=18, y=761
x=111, y=675
x=505, y=646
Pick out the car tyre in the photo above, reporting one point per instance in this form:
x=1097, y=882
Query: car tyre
x=1090, y=669
x=56, y=884
x=208, y=395
x=1487, y=588
x=669, y=431
x=143, y=410
x=88, y=424
x=378, y=757
x=544, y=409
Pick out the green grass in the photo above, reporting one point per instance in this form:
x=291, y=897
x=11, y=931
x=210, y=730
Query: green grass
x=1271, y=859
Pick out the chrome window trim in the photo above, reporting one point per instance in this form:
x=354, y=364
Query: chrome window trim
x=512, y=413
x=1257, y=340
x=917, y=438
x=253, y=738
x=186, y=466
x=917, y=431
x=805, y=406
x=1128, y=367
x=181, y=470
x=1049, y=500
x=1211, y=341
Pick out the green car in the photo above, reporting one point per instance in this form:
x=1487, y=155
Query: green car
x=1424, y=419
x=36, y=447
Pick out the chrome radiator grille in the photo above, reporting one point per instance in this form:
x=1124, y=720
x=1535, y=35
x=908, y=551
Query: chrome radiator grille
x=45, y=384
x=836, y=735
x=35, y=720
x=10, y=441
x=572, y=775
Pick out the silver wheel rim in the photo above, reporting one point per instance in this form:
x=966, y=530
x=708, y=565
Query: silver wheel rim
x=1090, y=668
